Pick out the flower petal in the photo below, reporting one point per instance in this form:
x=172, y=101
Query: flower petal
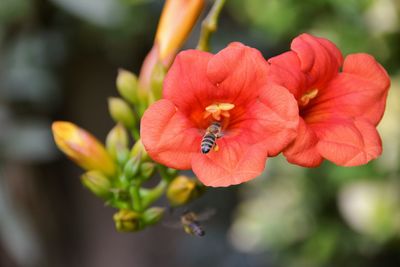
x=168, y=136
x=348, y=142
x=186, y=83
x=233, y=163
x=279, y=118
x=238, y=73
x=359, y=91
x=303, y=151
x=269, y=125
x=285, y=70
x=319, y=58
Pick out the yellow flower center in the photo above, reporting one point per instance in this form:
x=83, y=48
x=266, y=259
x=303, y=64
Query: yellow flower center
x=217, y=110
x=305, y=98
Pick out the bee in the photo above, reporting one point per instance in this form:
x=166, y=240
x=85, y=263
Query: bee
x=208, y=142
x=191, y=222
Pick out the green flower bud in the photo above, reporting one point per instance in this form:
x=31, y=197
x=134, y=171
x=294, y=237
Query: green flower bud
x=117, y=142
x=147, y=169
x=183, y=190
x=127, y=86
x=171, y=172
x=152, y=215
x=96, y=182
x=157, y=78
x=121, y=112
x=138, y=149
x=131, y=168
x=127, y=221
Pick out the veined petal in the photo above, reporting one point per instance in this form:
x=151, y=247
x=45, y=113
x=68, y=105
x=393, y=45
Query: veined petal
x=186, y=83
x=234, y=163
x=269, y=125
x=285, y=70
x=303, y=150
x=320, y=59
x=279, y=118
x=270, y=121
x=238, y=73
x=348, y=142
x=168, y=136
x=359, y=91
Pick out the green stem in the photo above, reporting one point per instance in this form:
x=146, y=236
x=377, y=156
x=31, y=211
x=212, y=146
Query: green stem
x=136, y=198
x=162, y=171
x=209, y=25
x=135, y=133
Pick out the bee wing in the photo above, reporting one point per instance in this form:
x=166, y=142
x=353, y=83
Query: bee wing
x=206, y=214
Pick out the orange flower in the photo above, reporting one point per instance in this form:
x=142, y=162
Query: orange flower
x=339, y=110
x=82, y=147
x=228, y=90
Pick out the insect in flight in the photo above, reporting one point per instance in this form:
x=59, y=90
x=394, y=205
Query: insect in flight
x=208, y=142
x=191, y=221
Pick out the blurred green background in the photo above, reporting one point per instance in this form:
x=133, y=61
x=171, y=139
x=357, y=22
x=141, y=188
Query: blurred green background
x=59, y=60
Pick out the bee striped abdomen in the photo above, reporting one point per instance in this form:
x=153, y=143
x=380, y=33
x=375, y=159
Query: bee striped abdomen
x=196, y=229
x=208, y=142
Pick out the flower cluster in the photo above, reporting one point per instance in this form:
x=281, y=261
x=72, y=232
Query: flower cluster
x=223, y=115
x=298, y=102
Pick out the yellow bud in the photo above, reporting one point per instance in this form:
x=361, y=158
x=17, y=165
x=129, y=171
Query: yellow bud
x=82, y=147
x=96, y=182
x=182, y=190
x=127, y=85
x=153, y=215
x=127, y=221
x=117, y=142
x=121, y=112
x=177, y=20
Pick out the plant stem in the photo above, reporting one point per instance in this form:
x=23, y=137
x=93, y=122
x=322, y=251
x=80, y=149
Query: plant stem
x=136, y=198
x=135, y=133
x=209, y=25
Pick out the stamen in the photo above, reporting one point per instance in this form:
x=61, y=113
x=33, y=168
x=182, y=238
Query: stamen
x=218, y=110
x=305, y=98
x=216, y=147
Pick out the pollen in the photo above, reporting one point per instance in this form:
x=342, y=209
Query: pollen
x=218, y=110
x=305, y=98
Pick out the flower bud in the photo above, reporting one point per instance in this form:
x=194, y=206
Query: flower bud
x=117, y=142
x=96, y=182
x=82, y=147
x=147, y=169
x=127, y=85
x=157, y=78
x=131, y=168
x=183, y=189
x=138, y=149
x=121, y=112
x=171, y=172
x=177, y=20
x=153, y=215
x=127, y=221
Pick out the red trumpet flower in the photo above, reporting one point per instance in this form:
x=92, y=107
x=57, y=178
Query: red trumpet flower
x=257, y=119
x=339, y=110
